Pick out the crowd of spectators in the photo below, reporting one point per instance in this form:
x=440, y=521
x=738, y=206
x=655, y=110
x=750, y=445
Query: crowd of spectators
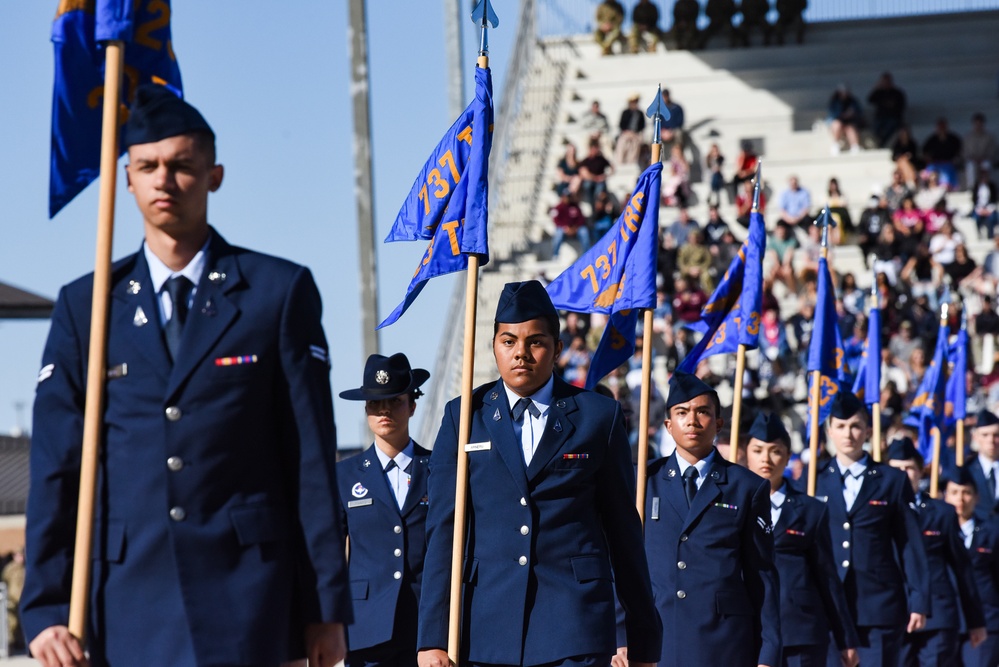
x=906, y=231
x=734, y=22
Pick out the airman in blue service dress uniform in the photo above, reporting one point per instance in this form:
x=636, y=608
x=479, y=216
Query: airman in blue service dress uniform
x=875, y=535
x=216, y=537
x=383, y=511
x=981, y=539
x=984, y=467
x=709, y=542
x=812, y=602
x=947, y=558
x=552, y=524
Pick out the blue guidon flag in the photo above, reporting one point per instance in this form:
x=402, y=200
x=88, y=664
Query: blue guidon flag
x=617, y=276
x=825, y=350
x=79, y=28
x=448, y=204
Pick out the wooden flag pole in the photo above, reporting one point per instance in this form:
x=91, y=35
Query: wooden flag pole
x=935, y=462
x=646, y=395
x=876, y=438
x=464, y=434
x=813, y=405
x=959, y=454
x=740, y=371
x=97, y=360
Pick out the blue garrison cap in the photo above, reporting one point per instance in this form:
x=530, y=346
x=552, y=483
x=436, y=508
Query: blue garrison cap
x=903, y=449
x=686, y=386
x=769, y=428
x=158, y=113
x=845, y=405
x=960, y=476
x=986, y=418
x=521, y=302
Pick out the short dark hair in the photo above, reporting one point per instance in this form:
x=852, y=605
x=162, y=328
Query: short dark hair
x=206, y=143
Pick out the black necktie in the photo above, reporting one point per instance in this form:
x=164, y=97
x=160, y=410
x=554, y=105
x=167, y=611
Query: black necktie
x=992, y=481
x=179, y=288
x=391, y=464
x=524, y=404
x=690, y=484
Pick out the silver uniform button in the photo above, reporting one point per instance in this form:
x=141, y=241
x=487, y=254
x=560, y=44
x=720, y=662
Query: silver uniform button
x=681, y=594
x=175, y=463
x=681, y=565
x=524, y=530
x=846, y=544
x=522, y=560
x=846, y=526
x=173, y=413
x=523, y=502
x=683, y=538
x=178, y=513
x=397, y=575
x=397, y=529
x=397, y=552
x=846, y=563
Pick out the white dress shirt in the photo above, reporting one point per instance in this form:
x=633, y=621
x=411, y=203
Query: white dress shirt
x=531, y=428
x=398, y=476
x=853, y=479
x=968, y=532
x=159, y=273
x=777, y=499
x=701, y=466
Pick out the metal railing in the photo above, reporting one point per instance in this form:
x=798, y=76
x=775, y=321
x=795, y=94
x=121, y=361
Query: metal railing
x=574, y=17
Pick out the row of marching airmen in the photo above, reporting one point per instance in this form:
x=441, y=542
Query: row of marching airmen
x=224, y=534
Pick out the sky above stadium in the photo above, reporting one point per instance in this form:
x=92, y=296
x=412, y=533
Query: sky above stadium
x=275, y=87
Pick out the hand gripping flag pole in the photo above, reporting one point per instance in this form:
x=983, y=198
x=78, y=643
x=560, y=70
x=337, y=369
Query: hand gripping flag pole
x=740, y=355
x=824, y=221
x=485, y=17
x=655, y=112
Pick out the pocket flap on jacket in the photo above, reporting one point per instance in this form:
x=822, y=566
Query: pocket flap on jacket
x=588, y=568
x=733, y=603
x=255, y=524
x=109, y=542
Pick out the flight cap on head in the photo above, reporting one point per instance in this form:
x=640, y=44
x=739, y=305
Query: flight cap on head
x=846, y=405
x=684, y=387
x=386, y=377
x=986, y=418
x=903, y=449
x=961, y=476
x=769, y=428
x=158, y=113
x=521, y=302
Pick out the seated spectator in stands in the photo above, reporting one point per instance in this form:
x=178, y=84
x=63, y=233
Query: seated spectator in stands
x=631, y=126
x=839, y=207
x=854, y=299
x=675, y=186
x=568, y=172
x=987, y=321
x=773, y=345
x=944, y=242
x=723, y=253
x=897, y=192
x=594, y=171
x=909, y=224
x=569, y=222
x=845, y=117
x=886, y=252
x=930, y=192
x=889, y=103
x=872, y=220
x=903, y=342
x=780, y=253
x=594, y=122
x=795, y=204
x=576, y=324
x=744, y=203
x=681, y=228
x=688, y=300
x=694, y=260
x=790, y=16
x=745, y=165
x=914, y=367
x=604, y=215
x=905, y=155
x=942, y=152
x=923, y=274
x=754, y=15
x=720, y=13
x=935, y=218
x=985, y=196
x=575, y=361
x=645, y=32
x=962, y=268
x=713, y=162
x=610, y=16
x=802, y=323
x=671, y=130
x=684, y=30
x=853, y=344
x=811, y=251
x=979, y=150
x=715, y=228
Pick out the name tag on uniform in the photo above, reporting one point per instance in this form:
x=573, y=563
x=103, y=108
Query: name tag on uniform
x=360, y=503
x=655, y=509
x=478, y=446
